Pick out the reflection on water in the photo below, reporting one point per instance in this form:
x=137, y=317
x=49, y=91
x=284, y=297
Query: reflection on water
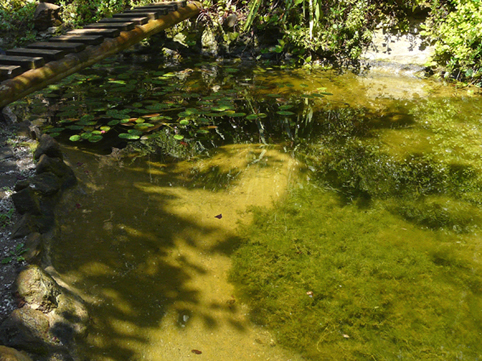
x=148, y=242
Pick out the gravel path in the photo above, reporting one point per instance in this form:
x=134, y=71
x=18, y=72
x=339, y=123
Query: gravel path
x=16, y=163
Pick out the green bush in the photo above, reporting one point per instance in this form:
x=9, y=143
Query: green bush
x=456, y=29
x=16, y=21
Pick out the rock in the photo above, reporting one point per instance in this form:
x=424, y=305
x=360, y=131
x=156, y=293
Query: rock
x=46, y=184
x=26, y=329
x=26, y=201
x=10, y=354
x=57, y=167
x=46, y=15
x=30, y=223
x=38, y=289
x=34, y=247
x=8, y=116
x=49, y=146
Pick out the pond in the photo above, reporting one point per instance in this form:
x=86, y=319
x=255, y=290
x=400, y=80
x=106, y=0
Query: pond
x=238, y=211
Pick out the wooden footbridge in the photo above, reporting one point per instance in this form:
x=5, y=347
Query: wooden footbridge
x=28, y=69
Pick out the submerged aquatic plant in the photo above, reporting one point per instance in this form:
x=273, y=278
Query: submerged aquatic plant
x=351, y=283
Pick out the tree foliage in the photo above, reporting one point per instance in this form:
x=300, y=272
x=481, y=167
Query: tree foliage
x=456, y=29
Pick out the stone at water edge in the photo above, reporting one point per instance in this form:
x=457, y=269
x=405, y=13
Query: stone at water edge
x=46, y=15
x=38, y=289
x=26, y=329
x=49, y=146
x=10, y=354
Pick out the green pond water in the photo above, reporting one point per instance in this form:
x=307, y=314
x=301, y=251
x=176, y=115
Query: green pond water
x=231, y=211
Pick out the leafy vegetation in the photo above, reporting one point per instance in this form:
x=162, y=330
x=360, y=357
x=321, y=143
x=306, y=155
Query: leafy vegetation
x=5, y=217
x=372, y=257
x=456, y=28
x=16, y=254
x=338, y=281
x=334, y=31
x=16, y=21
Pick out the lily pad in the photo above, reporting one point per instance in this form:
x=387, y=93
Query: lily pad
x=75, y=127
x=75, y=138
x=95, y=138
x=128, y=136
x=114, y=122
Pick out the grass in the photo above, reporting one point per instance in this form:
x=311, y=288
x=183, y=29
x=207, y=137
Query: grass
x=383, y=288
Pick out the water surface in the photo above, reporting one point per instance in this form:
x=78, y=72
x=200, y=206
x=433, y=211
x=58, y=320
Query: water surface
x=374, y=189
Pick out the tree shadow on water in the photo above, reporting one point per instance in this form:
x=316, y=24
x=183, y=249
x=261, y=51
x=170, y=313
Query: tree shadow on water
x=131, y=257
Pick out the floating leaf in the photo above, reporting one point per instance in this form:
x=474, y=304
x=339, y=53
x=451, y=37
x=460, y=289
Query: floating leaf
x=285, y=112
x=75, y=127
x=87, y=117
x=159, y=117
x=75, y=138
x=286, y=106
x=237, y=115
x=184, y=122
x=86, y=123
x=95, y=138
x=114, y=122
x=179, y=137
x=116, y=114
x=128, y=136
x=143, y=126
x=134, y=132
x=222, y=108
x=105, y=128
x=140, y=120
x=252, y=116
x=86, y=135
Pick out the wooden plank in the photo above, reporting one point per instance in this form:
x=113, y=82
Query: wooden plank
x=179, y=4
x=168, y=8
x=134, y=19
x=75, y=38
x=152, y=15
x=67, y=47
x=126, y=26
x=158, y=11
x=9, y=71
x=108, y=33
x=47, y=54
x=26, y=62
